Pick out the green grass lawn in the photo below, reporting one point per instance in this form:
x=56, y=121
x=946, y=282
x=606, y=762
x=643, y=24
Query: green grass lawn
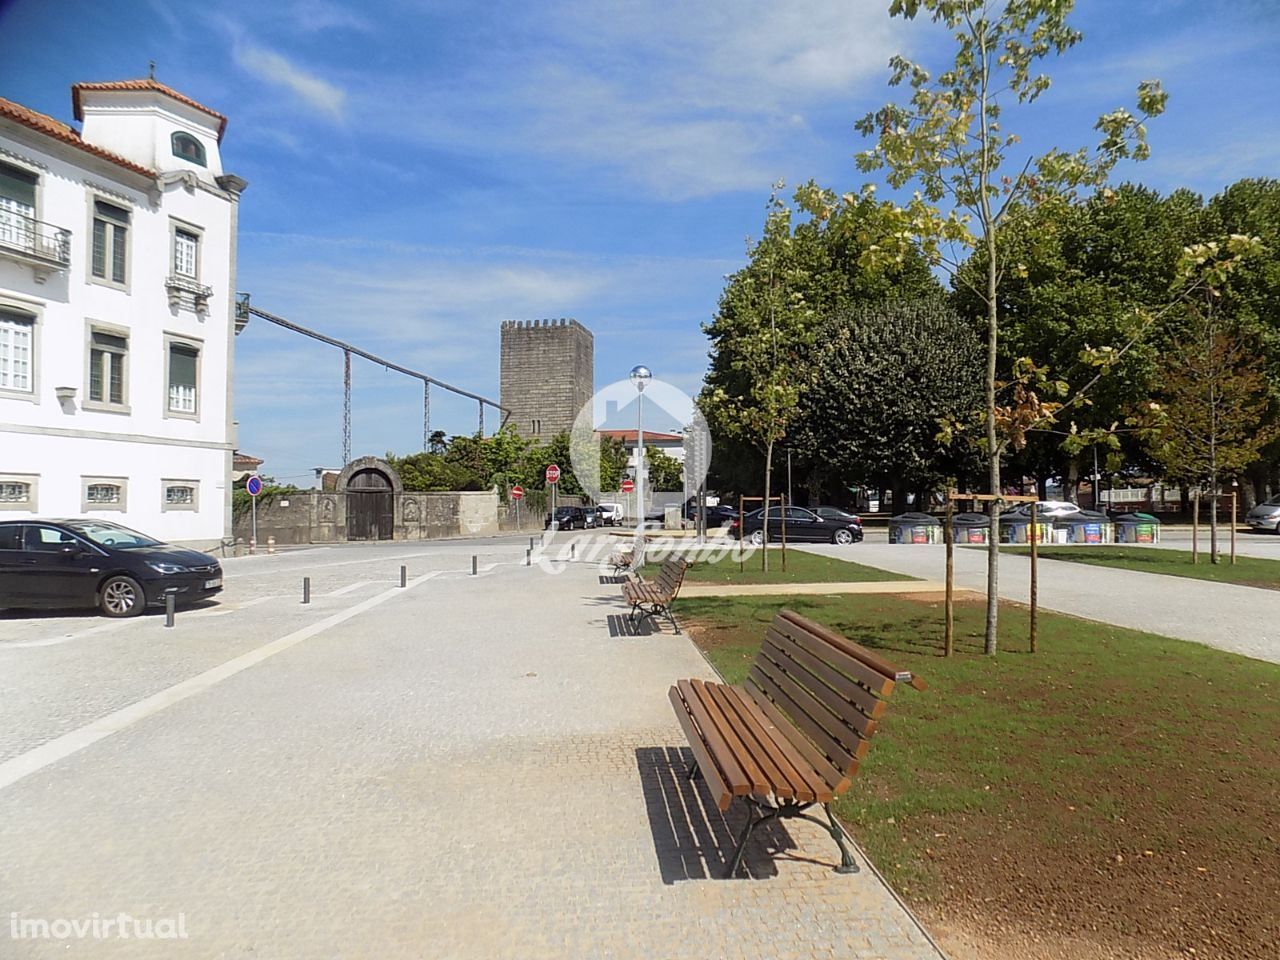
x=1111, y=768
x=1247, y=571
x=802, y=567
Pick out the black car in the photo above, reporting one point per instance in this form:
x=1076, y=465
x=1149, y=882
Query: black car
x=95, y=563
x=717, y=516
x=568, y=518
x=835, y=513
x=802, y=525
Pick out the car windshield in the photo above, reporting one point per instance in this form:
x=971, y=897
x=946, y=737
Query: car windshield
x=1273, y=502
x=112, y=535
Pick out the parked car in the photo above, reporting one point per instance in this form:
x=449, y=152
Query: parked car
x=88, y=563
x=1047, y=509
x=590, y=518
x=717, y=516
x=567, y=518
x=1265, y=516
x=610, y=514
x=802, y=526
x=835, y=513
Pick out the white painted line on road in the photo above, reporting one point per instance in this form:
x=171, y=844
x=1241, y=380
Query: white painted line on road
x=67, y=638
x=349, y=588
x=11, y=771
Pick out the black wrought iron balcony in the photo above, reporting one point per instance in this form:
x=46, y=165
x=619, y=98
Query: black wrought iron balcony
x=40, y=245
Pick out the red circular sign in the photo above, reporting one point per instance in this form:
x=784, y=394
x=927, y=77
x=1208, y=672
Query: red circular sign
x=553, y=474
x=628, y=485
x=517, y=492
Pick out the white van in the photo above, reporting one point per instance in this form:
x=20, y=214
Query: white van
x=610, y=514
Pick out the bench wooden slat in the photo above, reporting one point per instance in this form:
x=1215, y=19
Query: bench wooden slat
x=838, y=754
x=740, y=749
x=710, y=772
x=773, y=780
x=805, y=783
x=834, y=780
x=735, y=777
x=857, y=651
x=872, y=700
x=844, y=712
x=794, y=684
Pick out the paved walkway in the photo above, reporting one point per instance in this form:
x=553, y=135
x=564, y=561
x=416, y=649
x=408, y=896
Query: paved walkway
x=1240, y=619
x=469, y=767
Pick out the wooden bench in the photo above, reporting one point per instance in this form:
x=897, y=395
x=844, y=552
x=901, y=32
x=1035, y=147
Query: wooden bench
x=793, y=734
x=624, y=558
x=654, y=598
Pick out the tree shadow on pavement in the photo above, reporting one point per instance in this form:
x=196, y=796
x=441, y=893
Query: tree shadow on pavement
x=692, y=838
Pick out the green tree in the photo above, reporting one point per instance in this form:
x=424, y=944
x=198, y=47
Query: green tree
x=663, y=472
x=886, y=378
x=431, y=472
x=811, y=263
x=949, y=140
x=1214, y=413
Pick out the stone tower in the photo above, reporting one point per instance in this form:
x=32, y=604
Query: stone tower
x=548, y=374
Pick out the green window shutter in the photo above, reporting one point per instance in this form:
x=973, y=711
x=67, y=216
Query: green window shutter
x=18, y=185
x=182, y=366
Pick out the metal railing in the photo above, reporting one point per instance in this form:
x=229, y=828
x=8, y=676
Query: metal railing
x=35, y=238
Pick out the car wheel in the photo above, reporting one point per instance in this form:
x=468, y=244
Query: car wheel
x=842, y=537
x=757, y=537
x=122, y=597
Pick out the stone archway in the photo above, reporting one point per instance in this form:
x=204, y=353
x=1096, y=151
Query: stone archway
x=370, y=488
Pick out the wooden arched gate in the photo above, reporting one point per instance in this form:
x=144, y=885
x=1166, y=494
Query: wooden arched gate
x=371, y=506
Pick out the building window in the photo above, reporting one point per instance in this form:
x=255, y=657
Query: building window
x=186, y=254
x=108, y=357
x=17, y=206
x=104, y=493
x=186, y=147
x=110, y=242
x=17, y=492
x=17, y=350
x=184, y=379
x=180, y=495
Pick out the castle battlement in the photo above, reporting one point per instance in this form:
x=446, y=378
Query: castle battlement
x=548, y=374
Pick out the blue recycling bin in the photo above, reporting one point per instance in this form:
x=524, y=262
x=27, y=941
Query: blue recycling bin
x=1087, y=526
x=915, y=528
x=971, y=528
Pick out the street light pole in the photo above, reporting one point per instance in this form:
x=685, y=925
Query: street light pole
x=640, y=377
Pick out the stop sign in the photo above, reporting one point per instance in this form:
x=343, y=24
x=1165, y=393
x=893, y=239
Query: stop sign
x=517, y=492
x=553, y=474
x=628, y=485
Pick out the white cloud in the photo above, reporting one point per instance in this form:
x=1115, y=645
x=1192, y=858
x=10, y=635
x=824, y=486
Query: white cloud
x=320, y=94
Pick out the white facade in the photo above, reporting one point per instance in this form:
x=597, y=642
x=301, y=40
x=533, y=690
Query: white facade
x=117, y=315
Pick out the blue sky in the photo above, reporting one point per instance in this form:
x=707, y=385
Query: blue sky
x=420, y=171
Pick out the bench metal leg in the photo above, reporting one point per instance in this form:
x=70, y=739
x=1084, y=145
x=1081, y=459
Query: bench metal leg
x=694, y=773
x=784, y=811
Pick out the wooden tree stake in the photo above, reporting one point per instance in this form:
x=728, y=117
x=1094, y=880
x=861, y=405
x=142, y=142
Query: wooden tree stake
x=948, y=636
x=1035, y=539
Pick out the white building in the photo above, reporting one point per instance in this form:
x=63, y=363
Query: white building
x=117, y=314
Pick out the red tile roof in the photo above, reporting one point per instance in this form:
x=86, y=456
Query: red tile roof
x=60, y=131
x=629, y=436
x=145, y=84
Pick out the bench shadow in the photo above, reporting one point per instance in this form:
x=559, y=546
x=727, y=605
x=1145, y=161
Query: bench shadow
x=620, y=625
x=691, y=837
x=617, y=578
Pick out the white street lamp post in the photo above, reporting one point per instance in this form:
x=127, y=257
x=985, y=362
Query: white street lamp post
x=640, y=377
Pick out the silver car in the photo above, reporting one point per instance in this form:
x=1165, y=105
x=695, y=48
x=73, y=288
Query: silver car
x=1265, y=516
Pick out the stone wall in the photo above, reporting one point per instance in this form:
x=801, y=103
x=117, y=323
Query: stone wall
x=316, y=516
x=548, y=374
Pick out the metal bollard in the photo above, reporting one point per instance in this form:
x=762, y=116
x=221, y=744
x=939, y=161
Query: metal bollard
x=528, y=557
x=170, y=603
x=404, y=575
x=306, y=589
x=474, y=567
x=271, y=544
x=531, y=543
x=573, y=551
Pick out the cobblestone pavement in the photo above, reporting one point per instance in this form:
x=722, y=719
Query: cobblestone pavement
x=1239, y=619
x=477, y=767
